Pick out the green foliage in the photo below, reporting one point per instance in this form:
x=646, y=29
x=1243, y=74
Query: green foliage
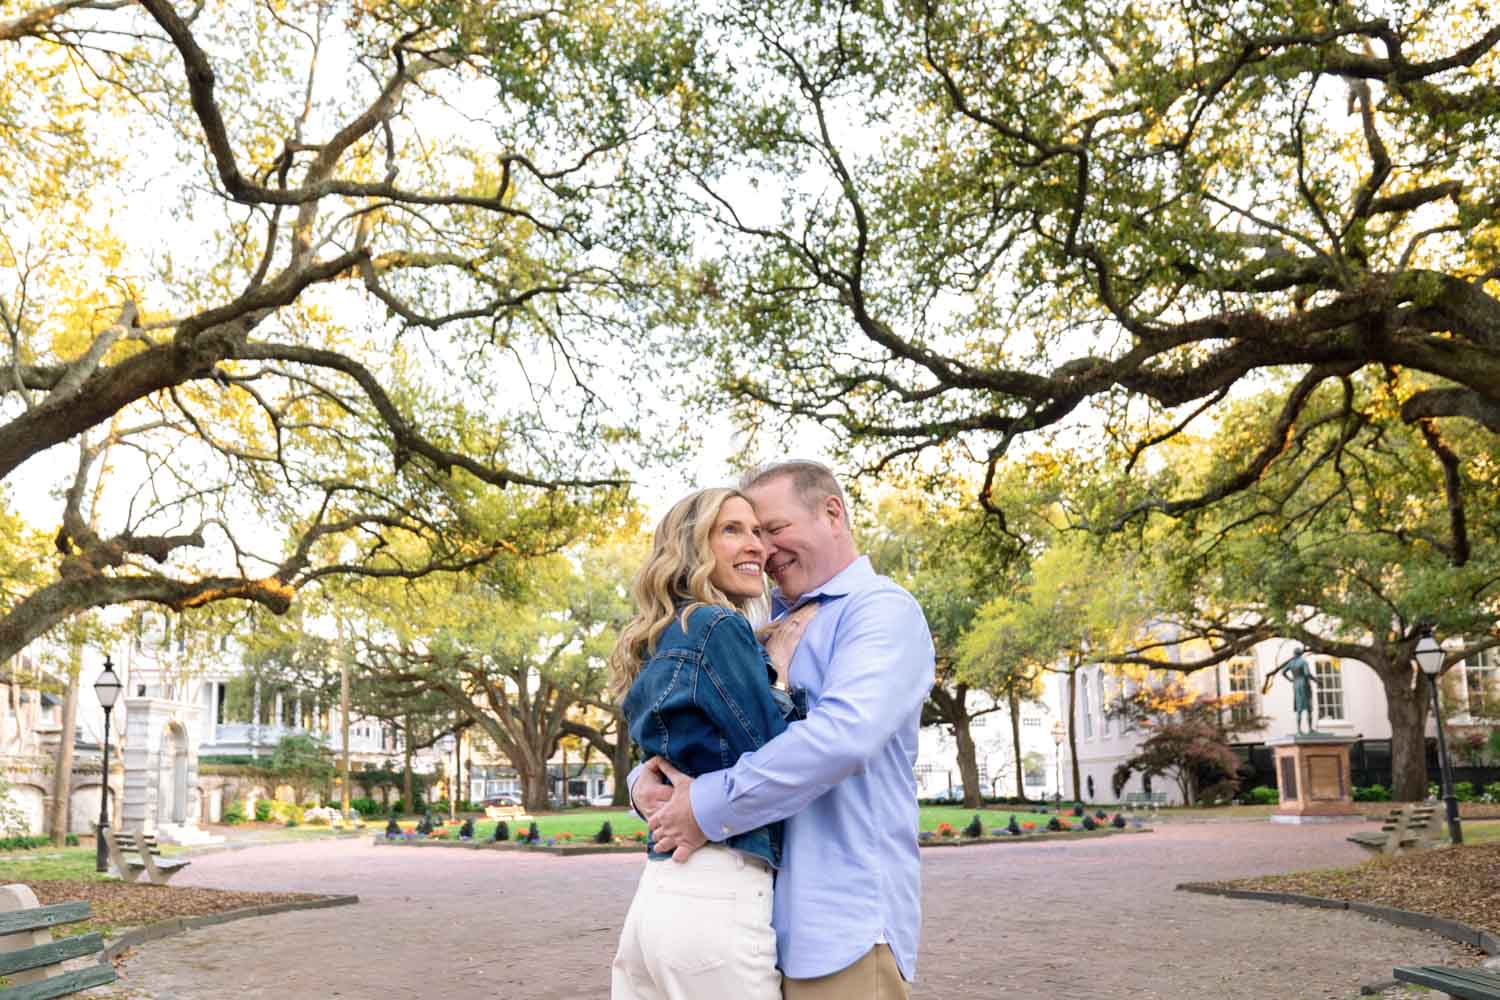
x=24, y=843
x=367, y=807
x=1492, y=791
x=1372, y=793
x=1463, y=791
x=1186, y=738
x=1261, y=795
x=233, y=814
x=262, y=810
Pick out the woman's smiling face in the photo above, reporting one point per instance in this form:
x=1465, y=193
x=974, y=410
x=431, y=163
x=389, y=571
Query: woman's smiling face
x=739, y=555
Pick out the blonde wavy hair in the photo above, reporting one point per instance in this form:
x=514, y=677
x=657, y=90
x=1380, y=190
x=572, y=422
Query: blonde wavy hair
x=677, y=571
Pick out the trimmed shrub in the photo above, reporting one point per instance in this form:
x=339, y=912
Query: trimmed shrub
x=1118, y=822
x=1054, y=824
x=606, y=834
x=466, y=832
x=1261, y=795
x=974, y=829
x=1463, y=791
x=1372, y=793
x=262, y=810
x=366, y=807
x=1089, y=823
x=233, y=813
x=392, y=828
x=502, y=832
x=25, y=843
x=1013, y=828
x=1492, y=790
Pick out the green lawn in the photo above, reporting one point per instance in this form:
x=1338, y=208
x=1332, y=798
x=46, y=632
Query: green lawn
x=584, y=824
x=1481, y=831
x=50, y=863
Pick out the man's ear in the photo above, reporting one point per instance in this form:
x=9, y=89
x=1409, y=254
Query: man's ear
x=834, y=508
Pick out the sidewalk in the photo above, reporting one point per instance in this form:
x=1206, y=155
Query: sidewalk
x=1044, y=920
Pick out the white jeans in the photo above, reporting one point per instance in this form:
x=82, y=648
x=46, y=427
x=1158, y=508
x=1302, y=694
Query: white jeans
x=700, y=930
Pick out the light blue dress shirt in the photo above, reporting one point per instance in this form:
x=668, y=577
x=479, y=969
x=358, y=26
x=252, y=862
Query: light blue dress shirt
x=843, y=780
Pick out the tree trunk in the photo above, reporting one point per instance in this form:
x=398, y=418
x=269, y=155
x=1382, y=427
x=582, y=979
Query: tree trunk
x=407, y=799
x=620, y=761
x=533, y=787
x=1073, y=731
x=62, y=783
x=1406, y=708
x=968, y=763
x=1015, y=740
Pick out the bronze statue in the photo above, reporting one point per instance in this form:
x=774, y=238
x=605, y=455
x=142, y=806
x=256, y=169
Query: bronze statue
x=1300, y=673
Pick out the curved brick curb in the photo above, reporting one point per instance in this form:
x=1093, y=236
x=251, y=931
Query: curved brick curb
x=177, y=925
x=1453, y=930
x=566, y=851
x=1025, y=838
x=575, y=850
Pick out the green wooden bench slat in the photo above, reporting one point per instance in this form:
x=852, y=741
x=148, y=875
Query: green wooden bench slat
x=43, y=916
x=48, y=954
x=1470, y=984
x=61, y=986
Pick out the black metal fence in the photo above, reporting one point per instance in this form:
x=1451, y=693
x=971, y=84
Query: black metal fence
x=1369, y=764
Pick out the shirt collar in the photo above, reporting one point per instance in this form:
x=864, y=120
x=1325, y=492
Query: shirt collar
x=846, y=581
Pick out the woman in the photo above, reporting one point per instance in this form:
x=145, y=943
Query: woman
x=699, y=691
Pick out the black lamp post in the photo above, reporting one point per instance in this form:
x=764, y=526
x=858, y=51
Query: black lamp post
x=1430, y=658
x=1058, y=732
x=107, y=687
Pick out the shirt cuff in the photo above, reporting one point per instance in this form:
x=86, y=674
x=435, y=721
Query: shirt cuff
x=711, y=805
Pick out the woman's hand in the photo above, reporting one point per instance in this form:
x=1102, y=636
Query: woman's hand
x=782, y=636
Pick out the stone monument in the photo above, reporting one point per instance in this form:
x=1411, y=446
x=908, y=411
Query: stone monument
x=1312, y=775
x=161, y=771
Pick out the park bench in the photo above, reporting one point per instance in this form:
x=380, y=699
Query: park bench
x=1467, y=984
x=506, y=812
x=1409, y=826
x=1140, y=800
x=31, y=962
x=145, y=847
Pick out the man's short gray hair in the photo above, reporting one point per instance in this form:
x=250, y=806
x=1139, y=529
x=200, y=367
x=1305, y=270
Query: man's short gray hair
x=814, y=482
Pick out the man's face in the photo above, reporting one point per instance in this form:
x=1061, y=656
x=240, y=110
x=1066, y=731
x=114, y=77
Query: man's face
x=803, y=546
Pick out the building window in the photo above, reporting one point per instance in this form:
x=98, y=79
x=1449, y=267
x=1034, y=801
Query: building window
x=1032, y=721
x=1330, y=695
x=1242, y=682
x=979, y=721
x=1083, y=701
x=1103, y=705
x=1482, y=678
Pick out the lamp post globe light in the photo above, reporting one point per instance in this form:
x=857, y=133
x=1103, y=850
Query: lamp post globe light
x=1058, y=732
x=1429, y=656
x=107, y=688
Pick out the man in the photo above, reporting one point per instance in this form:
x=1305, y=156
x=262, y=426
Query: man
x=848, y=904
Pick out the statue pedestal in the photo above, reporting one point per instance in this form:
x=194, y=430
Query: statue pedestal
x=1312, y=774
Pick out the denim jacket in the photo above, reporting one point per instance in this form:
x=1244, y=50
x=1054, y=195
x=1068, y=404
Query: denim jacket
x=704, y=698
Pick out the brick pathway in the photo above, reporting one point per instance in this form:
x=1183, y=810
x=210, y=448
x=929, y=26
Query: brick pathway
x=1035, y=920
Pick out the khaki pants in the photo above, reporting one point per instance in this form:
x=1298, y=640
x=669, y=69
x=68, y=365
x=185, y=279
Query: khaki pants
x=874, y=977
x=700, y=930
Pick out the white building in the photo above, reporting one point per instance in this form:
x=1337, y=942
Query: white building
x=1348, y=700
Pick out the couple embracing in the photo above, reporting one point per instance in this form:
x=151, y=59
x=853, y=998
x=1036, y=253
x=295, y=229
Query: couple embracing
x=779, y=785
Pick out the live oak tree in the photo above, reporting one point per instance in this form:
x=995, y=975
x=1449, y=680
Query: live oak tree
x=952, y=223
x=952, y=562
x=371, y=258
x=1352, y=558
x=518, y=662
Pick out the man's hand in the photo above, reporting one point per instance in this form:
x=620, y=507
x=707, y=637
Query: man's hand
x=673, y=826
x=651, y=790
